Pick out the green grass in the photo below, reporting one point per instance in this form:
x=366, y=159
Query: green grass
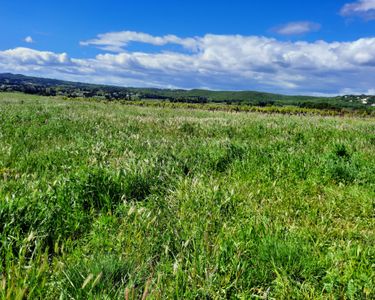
x=108, y=201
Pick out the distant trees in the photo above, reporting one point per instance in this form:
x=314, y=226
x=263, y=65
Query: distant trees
x=50, y=87
x=189, y=99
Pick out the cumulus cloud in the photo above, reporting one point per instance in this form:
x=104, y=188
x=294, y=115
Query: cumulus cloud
x=29, y=40
x=34, y=62
x=27, y=56
x=215, y=62
x=361, y=8
x=297, y=28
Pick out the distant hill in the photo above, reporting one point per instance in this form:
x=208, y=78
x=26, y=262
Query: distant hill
x=53, y=87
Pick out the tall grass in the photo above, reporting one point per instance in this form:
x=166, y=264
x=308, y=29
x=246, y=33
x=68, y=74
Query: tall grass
x=106, y=201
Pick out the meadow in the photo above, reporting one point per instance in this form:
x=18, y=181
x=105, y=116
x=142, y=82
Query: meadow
x=101, y=200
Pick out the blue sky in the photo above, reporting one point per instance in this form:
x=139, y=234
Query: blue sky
x=294, y=47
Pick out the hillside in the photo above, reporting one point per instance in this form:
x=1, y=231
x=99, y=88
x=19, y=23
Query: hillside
x=51, y=87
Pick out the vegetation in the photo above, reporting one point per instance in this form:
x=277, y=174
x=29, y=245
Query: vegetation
x=101, y=200
x=51, y=87
x=285, y=110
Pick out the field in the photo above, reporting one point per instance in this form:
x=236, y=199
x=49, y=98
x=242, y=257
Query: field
x=100, y=200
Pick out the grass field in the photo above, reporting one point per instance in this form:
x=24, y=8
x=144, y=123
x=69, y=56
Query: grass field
x=108, y=201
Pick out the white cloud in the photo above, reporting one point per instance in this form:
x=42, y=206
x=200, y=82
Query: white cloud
x=29, y=40
x=361, y=8
x=116, y=41
x=27, y=56
x=216, y=62
x=297, y=28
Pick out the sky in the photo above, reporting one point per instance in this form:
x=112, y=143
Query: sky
x=291, y=47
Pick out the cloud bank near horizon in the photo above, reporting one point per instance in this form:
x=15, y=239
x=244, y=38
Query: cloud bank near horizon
x=224, y=62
